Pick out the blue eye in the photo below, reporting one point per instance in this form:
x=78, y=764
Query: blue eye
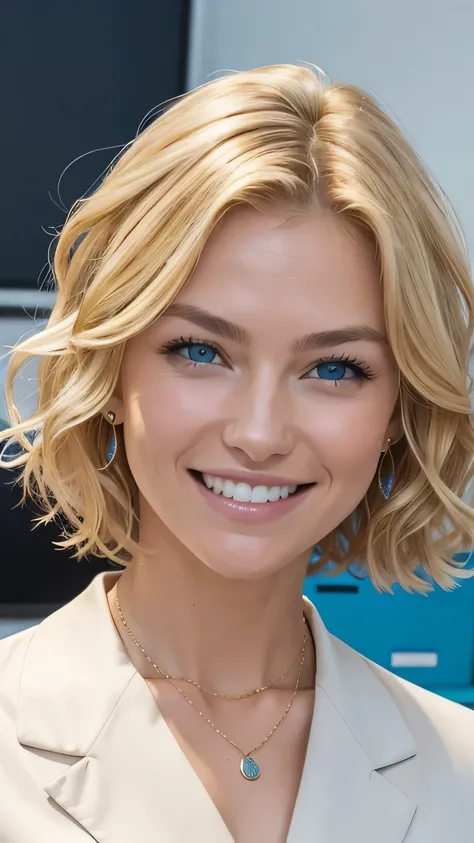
x=335, y=370
x=199, y=353
x=195, y=352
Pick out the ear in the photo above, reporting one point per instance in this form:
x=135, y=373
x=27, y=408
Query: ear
x=115, y=404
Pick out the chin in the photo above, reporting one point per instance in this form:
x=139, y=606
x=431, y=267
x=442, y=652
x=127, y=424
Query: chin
x=244, y=558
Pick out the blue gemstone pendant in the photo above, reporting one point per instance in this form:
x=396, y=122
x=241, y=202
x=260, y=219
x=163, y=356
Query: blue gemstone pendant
x=385, y=478
x=112, y=448
x=249, y=769
x=386, y=486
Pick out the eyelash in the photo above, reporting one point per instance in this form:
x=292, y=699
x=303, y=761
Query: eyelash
x=173, y=346
x=361, y=370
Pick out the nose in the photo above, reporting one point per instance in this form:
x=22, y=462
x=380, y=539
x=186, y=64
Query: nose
x=260, y=422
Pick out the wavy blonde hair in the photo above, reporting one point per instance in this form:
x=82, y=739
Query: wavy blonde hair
x=279, y=133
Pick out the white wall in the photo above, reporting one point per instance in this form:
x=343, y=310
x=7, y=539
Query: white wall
x=417, y=56
x=12, y=329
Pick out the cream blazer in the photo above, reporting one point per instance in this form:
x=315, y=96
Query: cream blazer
x=85, y=754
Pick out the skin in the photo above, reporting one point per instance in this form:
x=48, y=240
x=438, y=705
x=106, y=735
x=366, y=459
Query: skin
x=215, y=599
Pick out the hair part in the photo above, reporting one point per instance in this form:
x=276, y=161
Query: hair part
x=278, y=134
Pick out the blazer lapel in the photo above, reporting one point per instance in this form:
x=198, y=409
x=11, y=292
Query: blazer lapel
x=357, y=731
x=115, y=766
x=135, y=783
x=101, y=750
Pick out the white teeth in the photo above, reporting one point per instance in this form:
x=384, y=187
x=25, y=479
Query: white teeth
x=259, y=494
x=228, y=489
x=218, y=485
x=274, y=493
x=244, y=493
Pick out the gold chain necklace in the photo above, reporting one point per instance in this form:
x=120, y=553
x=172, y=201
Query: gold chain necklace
x=196, y=684
x=248, y=766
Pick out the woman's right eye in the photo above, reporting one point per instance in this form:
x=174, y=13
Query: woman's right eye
x=196, y=352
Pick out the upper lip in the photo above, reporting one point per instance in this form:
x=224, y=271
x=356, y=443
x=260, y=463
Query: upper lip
x=253, y=478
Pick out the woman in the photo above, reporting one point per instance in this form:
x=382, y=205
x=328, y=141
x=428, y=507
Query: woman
x=260, y=345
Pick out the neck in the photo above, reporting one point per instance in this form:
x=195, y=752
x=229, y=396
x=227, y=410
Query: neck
x=228, y=635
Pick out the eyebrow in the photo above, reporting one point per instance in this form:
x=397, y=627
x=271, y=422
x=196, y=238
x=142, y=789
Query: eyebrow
x=309, y=342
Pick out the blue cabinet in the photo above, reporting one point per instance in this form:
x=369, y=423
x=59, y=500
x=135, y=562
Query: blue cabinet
x=428, y=640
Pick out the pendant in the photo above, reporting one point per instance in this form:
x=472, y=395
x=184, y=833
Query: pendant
x=249, y=769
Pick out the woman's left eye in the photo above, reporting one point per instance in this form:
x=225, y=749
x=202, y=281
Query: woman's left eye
x=337, y=370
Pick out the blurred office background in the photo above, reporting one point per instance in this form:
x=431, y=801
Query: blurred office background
x=77, y=80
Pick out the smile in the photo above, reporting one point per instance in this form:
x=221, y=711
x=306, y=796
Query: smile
x=251, y=502
x=245, y=493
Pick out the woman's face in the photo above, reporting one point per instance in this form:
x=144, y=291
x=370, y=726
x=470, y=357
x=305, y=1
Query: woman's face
x=270, y=371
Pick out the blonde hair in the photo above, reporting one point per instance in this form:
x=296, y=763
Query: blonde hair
x=279, y=133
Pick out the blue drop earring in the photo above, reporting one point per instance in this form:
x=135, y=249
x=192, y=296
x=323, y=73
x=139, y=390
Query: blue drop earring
x=386, y=479
x=112, y=446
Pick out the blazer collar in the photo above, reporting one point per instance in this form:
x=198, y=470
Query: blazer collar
x=357, y=732
x=116, y=768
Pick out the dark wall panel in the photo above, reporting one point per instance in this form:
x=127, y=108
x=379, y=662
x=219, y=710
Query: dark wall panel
x=74, y=77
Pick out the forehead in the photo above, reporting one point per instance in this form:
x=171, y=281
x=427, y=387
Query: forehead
x=302, y=266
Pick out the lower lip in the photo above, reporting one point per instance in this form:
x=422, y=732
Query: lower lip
x=251, y=513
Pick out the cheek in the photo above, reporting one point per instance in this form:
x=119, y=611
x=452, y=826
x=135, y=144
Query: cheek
x=164, y=418
x=350, y=438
